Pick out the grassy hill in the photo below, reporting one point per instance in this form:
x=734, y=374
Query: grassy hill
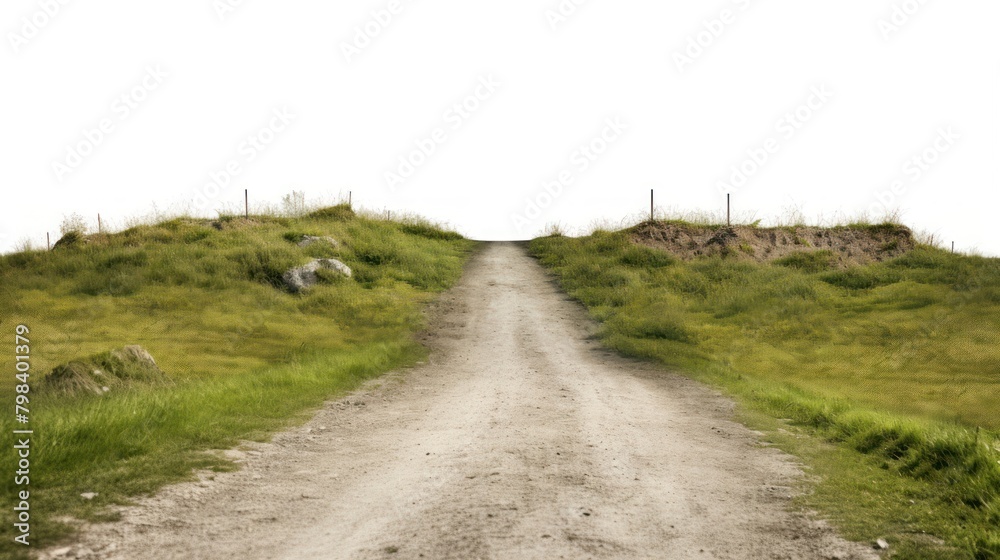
x=242, y=356
x=885, y=376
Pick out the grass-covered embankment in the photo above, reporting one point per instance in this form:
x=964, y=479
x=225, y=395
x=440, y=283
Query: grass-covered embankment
x=243, y=355
x=895, y=363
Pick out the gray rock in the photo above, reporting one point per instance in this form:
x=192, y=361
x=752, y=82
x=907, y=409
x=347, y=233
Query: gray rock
x=304, y=277
x=89, y=495
x=881, y=544
x=308, y=240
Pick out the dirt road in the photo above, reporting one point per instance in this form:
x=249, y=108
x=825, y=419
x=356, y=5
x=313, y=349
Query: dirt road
x=521, y=438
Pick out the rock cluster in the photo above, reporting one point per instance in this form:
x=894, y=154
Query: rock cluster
x=302, y=278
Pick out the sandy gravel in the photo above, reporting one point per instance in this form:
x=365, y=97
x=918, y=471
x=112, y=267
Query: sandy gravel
x=521, y=439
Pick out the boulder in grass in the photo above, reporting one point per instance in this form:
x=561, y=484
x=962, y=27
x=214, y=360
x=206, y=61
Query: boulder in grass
x=301, y=278
x=308, y=240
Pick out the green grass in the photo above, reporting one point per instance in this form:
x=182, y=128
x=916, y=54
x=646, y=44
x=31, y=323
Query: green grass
x=891, y=368
x=244, y=357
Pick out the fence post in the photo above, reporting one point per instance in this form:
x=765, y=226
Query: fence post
x=48, y=241
x=729, y=222
x=651, y=205
x=246, y=202
x=350, y=198
x=100, y=228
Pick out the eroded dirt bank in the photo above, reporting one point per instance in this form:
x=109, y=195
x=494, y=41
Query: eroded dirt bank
x=846, y=246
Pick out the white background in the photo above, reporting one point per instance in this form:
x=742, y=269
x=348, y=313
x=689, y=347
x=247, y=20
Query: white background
x=559, y=83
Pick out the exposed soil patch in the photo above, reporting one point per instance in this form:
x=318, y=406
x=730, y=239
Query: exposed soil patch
x=848, y=245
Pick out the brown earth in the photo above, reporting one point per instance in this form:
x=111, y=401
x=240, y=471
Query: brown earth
x=521, y=438
x=850, y=245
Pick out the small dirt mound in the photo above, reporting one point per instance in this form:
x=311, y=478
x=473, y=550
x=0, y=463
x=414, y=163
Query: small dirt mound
x=846, y=245
x=125, y=367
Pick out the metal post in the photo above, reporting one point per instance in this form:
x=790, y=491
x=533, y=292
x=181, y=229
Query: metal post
x=952, y=246
x=100, y=228
x=350, y=197
x=651, y=205
x=729, y=222
x=246, y=202
x=48, y=241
